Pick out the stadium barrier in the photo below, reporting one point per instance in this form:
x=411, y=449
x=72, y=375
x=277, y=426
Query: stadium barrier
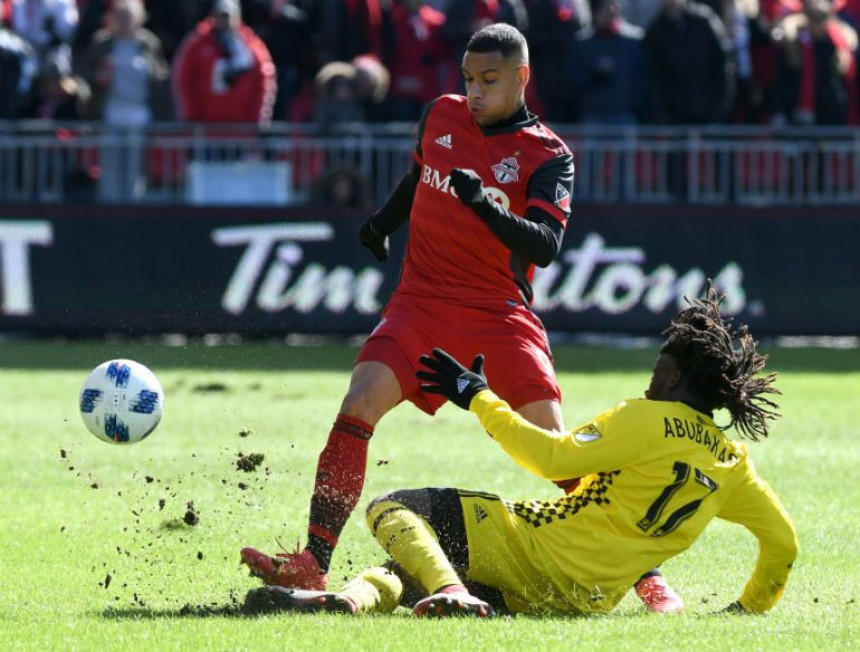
x=278, y=164
x=256, y=271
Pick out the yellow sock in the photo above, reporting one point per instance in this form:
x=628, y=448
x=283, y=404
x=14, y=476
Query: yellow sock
x=413, y=544
x=375, y=590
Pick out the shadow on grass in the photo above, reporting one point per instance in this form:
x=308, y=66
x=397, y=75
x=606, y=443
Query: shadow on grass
x=188, y=611
x=199, y=612
x=232, y=610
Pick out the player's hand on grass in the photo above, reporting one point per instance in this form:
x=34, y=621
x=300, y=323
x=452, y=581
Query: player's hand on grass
x=470, y=191
x=371, y=237
x=452, y=380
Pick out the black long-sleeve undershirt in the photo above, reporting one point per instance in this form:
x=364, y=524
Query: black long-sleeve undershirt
x=536, y=237
x=396, y=209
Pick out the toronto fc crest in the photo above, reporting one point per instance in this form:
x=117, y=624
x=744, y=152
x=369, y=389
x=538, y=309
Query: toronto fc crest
x=507, y=171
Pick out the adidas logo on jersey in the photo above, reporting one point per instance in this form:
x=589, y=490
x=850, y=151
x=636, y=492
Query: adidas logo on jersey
x=480, y=513
x=444, y=141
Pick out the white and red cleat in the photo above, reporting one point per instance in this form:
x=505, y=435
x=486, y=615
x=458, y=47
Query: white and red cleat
x=658, y=597
x=298, y=570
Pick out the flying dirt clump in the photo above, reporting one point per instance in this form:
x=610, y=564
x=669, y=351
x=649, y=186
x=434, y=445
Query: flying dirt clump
x=192, y=516
x=249, y=462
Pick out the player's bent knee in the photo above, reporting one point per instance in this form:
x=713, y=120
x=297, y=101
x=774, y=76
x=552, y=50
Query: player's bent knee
x=365, y=406
x=374, y=503
x=378, y=507
x=412, y=500
x=373, y=391
x=357, y=404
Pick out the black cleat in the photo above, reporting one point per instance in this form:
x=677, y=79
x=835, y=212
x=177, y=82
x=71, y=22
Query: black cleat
x=275, y=599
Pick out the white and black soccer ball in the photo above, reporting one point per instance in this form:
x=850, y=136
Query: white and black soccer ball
x=121, y=401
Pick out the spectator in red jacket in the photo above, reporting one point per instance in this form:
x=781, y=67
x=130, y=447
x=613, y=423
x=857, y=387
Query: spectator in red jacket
x=416, y=56
x=223, y=71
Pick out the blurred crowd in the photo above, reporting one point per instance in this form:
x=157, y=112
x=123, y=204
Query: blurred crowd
x=128, y=63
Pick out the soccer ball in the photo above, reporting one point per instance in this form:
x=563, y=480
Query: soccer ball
x=121, y=401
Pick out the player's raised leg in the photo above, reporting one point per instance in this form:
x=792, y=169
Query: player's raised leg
x=373, y=391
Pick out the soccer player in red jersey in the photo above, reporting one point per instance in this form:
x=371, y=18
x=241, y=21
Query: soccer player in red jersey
x=487, y=198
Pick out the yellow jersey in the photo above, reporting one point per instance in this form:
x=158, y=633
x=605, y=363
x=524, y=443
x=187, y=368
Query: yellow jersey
x=654, y=474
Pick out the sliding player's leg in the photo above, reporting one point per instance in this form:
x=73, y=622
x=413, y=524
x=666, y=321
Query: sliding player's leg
x=374, y=590
x=424, y=533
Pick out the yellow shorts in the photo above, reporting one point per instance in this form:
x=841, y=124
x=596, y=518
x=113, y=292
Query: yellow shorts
x=502, y=555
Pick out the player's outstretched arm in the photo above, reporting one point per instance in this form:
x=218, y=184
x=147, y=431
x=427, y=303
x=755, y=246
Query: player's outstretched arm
x=755, y=506
x=551, y=455
x=537, y=238
x=374, y=233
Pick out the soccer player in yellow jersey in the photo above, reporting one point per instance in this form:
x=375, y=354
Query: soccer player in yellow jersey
x=655, y=472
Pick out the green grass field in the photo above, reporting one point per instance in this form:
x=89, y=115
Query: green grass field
x=76, y=512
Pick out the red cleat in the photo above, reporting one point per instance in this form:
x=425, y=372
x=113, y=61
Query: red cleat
x=299, y=570
x=441, y=605
x=658, y=597
x=274, y=599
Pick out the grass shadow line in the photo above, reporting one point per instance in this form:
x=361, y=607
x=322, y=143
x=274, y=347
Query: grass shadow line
x=231, y=610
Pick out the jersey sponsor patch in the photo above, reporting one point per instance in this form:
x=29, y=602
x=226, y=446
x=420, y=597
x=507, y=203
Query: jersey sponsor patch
x=587, y=435
x=444, y=141
x=507, y=170
x=562, y=197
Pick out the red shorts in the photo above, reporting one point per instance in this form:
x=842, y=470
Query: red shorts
x=518, y=359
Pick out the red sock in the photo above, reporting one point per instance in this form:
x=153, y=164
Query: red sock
x=339, y=481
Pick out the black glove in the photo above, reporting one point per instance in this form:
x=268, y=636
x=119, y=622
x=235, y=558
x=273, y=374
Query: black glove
x=372, y=238
x=451, y=379
x=734, y=608
x=470, y=191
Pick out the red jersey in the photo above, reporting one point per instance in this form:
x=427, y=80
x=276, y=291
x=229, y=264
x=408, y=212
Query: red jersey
x=451, y=254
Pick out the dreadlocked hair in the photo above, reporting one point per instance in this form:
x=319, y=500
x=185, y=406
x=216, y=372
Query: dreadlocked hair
x=720, y=364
